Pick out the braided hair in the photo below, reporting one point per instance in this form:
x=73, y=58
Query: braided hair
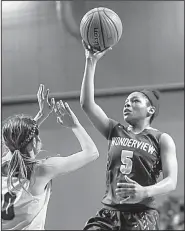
x=17, y=132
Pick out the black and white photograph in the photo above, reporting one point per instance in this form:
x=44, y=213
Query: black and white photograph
x=92, y=115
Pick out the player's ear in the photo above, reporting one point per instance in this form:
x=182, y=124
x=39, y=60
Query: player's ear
x=151, y=110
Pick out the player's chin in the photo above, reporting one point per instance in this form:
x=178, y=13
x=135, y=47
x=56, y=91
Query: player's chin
x=127, y=118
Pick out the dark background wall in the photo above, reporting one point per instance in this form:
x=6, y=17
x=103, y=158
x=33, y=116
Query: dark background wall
x=41, y=44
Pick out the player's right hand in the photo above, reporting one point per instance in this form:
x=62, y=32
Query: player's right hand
x=65, y=116
x=92, y=54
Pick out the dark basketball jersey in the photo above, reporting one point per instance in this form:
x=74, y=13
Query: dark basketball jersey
x=134, y=155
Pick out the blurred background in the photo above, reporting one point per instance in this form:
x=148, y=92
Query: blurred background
x=41, y=43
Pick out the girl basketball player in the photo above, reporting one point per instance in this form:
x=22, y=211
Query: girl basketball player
x=26, y=181
x=136, y=155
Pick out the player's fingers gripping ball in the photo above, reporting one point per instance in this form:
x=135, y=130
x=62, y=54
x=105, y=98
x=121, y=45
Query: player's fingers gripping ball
x=101, y=28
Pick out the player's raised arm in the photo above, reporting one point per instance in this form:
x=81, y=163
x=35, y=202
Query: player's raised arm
x=93, y=111
x=61, y=165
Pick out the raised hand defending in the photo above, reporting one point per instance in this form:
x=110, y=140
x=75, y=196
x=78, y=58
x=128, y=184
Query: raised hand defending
x=45, y=107
x=65, y=116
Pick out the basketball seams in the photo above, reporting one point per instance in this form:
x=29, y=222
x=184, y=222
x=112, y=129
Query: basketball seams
x=113, y=24
x=102, y=32
x=88, y=14
x=109, y=29
x=88, y=28
x=85, y=17
x=85, y=27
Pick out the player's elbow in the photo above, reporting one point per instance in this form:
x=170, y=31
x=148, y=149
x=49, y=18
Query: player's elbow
x=83, y=101
x=94, y=153
x=84, y=104
x=172, y=183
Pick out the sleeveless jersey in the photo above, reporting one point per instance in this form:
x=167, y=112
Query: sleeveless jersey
x=23, y=211
x=134, y=155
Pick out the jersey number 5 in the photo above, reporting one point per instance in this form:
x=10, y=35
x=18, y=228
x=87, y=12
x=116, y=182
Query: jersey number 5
x=7, y=212
x=126, y=160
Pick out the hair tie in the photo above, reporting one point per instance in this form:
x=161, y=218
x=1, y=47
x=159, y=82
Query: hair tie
x=17, y=152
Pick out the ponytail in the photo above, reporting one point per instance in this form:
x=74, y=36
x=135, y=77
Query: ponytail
x=18, y=132
x=20, y=165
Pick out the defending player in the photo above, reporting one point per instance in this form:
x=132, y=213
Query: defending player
x=26, y=181
x=136, y=155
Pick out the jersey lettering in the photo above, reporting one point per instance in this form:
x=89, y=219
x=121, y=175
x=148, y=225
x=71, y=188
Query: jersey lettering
x=126, y=142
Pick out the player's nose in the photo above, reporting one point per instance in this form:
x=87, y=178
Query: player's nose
x=127, y=104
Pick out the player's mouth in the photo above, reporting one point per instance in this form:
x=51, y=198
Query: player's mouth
x=126, y=111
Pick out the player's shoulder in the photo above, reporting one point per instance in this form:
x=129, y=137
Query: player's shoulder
x=166, y=139
x=160, y=135
x=115, y=123
x=153, y=134
x=41, y=168
x=154, y=131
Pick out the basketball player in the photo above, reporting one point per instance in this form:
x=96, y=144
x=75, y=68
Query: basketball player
x=137, y=153
x=26, y=181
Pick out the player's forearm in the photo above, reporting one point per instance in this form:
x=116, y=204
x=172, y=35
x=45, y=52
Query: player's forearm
x=87, y=88
x=164, y=186
x=85, y=140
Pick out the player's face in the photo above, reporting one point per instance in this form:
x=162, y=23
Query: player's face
x=135, y=108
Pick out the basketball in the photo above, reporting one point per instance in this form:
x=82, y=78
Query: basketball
x=101, y=28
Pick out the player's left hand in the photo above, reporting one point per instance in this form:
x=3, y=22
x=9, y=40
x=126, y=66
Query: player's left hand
x=130, y=192
x=45, y=107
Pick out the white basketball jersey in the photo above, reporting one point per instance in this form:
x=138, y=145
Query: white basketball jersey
x=22, y=211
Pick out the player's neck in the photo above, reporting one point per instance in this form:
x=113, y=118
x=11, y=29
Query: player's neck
x=139, y=127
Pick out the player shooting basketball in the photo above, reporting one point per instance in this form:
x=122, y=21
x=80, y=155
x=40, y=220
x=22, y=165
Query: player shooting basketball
x=137, y=153
x=26, y=181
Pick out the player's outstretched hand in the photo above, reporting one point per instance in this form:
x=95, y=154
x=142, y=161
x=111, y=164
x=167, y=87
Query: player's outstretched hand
x=92, y=54
x=45, y=107
x=130, y=192
x=65, y=116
